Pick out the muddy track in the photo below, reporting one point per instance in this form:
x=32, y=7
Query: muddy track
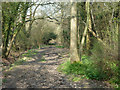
x=35, y=73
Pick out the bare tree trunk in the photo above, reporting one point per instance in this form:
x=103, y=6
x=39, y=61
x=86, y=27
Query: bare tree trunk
x=78, y=36
x=6, y=40
x=23, y=15
x=62, y=40
x=39, y=46
x=85, y=31
x=87, y=41
x=60, y=35
x=73, y=38
x=88, y=35
x=11, y=42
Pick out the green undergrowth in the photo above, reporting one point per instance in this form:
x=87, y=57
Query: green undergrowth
x=59, y=46
x=30, y=53
x=4, y=80
x=42, y=60
x=23, y=59
x=90, y=69
x=18, y=62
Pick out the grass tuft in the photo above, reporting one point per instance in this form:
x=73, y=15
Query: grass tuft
x=59, y=46
x=42, y=60
x=30, y=53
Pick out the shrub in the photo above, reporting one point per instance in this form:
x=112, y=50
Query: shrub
x=91, y=70
x=66, y=36
x=48, y=36
x=105, y=60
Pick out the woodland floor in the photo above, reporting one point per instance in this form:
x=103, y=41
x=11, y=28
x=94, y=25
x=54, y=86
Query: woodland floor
x=35, y=73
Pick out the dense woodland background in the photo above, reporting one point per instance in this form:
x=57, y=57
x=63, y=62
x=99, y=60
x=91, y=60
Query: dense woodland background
x=87, y=29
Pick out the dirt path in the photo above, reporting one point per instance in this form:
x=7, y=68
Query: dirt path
x=43, y=74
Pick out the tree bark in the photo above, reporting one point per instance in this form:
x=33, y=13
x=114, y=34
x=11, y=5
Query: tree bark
x=74, y=57
x=25, y=8
x=6, y=39
x=11, y=43
x=85, y=31
x=88, y=34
